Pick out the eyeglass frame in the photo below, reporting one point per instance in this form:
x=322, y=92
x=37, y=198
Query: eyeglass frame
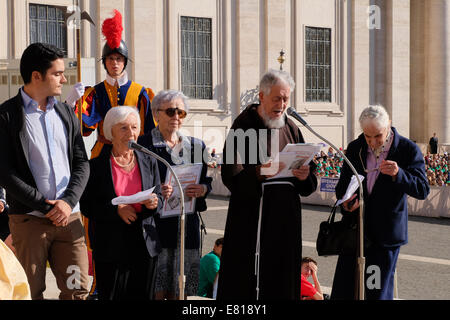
x=181, y=113
x=364, y=167
x=378, y=167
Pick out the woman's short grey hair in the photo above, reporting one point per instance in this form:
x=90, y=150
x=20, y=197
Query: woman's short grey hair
x=166, y=96
x=376, y=114
x=116, y=115
x=273, y=77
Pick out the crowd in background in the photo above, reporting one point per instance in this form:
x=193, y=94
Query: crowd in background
x=436, y=166
x=328, y=165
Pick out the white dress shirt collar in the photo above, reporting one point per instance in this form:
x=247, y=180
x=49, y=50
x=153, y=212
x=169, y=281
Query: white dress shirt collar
x=123, y=80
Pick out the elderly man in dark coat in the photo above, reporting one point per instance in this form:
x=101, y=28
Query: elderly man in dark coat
x=394, y=168
x=262, y=255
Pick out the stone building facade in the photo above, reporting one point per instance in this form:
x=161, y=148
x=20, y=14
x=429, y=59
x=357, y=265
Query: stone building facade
x=342, y=54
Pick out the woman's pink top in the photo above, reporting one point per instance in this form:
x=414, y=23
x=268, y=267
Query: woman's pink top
x=127, y=183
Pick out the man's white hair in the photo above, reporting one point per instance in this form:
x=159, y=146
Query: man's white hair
x=274, y=77
x=375, y=114
x=116, y=115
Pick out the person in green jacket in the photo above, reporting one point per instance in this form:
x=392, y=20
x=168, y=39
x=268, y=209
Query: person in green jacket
x=209, y=270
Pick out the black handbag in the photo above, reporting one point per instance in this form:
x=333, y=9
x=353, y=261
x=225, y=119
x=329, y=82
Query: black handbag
x=337, y=237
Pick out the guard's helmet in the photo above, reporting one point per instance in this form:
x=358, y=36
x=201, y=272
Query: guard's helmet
x=112, y=30
x=122, y=49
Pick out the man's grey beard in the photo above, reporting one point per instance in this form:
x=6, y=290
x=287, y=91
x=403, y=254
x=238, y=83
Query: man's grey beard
x=273, y=123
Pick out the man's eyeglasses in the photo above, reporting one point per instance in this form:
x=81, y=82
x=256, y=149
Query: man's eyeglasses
x=171, y=112
x=364, y=167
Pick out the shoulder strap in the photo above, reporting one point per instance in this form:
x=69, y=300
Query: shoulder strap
x=333, y=213
x=133, y=94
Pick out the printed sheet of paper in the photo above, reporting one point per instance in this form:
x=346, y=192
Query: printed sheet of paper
x=135, y=198
x=294, y=156
x=352, y=187
x=187, y=174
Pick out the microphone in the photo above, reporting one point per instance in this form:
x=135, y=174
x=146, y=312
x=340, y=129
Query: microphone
x=360, y=254
x=291, y=111
x=134, y=145
x=181, y=279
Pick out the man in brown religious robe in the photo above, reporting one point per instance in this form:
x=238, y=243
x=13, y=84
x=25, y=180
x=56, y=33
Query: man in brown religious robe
x=262, y=255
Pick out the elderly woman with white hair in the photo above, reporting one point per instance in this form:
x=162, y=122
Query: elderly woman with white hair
x=124, y=238
x=169, y=110
x=394, y=168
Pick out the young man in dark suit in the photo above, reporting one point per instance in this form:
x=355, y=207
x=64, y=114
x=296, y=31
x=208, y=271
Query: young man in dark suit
x=44, y=168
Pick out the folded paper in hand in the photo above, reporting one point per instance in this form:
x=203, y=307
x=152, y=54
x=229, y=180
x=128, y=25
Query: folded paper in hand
x=135, y=198
x=352, y=187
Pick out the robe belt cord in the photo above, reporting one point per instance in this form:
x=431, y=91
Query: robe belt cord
x=258, y=237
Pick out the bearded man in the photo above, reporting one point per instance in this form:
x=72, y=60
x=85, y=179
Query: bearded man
x=262, y=255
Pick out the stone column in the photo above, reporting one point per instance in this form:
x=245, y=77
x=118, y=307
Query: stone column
x=418, y=115
x=438, y=73
x=398, y=64
x=248, y=50
x=361, y=77
x=148, y=39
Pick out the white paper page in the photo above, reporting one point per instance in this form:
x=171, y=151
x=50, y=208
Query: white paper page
x=135, y=198
x=295, y=147
x=290, y=160
x=295, y=156
x=352, y=187
x=187, y=174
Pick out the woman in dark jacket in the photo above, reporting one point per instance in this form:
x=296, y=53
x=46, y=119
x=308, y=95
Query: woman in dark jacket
x=124, y=238
x=169, y=109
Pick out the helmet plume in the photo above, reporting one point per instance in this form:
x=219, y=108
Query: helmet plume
x=112, y=30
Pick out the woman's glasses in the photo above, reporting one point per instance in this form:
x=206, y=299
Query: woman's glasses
x=171, y=112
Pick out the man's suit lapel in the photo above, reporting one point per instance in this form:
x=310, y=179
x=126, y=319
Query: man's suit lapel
x=65, y=118
x=62, y=114
x=20, y=123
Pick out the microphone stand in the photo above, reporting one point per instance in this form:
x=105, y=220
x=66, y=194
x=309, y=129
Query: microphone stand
x=361, y=260
x=181, y=278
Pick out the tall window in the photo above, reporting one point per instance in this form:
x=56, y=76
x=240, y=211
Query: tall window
x=47, y=25
x=196, y=61
x=318, y=64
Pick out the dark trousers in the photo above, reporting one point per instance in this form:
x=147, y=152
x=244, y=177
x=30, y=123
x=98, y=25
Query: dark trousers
x=130, y=280
x=379, y=274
